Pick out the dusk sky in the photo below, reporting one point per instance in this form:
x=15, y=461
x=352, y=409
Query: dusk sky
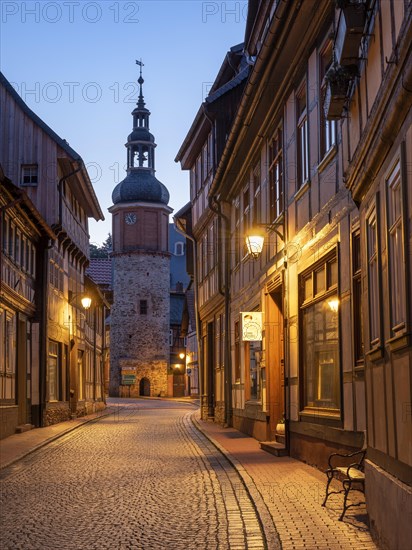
x=73, y=63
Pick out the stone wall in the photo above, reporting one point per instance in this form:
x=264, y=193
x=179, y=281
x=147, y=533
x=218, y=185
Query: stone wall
x=56, y=412
x=138, y=340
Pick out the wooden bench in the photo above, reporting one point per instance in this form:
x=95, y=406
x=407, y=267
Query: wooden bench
x=351, y=473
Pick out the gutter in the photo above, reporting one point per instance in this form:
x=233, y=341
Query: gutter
x=217, y=209
x=182, y=231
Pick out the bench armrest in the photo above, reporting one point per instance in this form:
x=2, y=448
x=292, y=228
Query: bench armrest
x=362, y=454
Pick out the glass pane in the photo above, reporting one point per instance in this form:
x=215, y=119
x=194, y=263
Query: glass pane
x=332, y=273
x=320, y=355
x=308, y=288
x=320, y=280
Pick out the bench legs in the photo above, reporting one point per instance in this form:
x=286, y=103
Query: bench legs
x=330, y=477
x=347, y=486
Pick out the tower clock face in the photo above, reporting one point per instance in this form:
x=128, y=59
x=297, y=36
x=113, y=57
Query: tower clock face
x=130, y=218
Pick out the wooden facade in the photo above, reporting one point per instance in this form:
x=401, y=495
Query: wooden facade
x=55, y=179
x=200, y=153
x=377, y=160
x=323, y=174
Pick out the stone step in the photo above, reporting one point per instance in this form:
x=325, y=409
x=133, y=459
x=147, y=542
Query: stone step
x=280, y=439
x=274, y=448
x=24, y=428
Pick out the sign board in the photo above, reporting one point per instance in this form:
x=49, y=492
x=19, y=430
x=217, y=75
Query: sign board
x=252, y=326
x=128, y=379
x=128, y=371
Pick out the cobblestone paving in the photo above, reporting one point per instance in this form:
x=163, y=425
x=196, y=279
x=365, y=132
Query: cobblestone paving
x=143, y=478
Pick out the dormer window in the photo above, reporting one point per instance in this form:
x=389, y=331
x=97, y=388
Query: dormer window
x=29, y=174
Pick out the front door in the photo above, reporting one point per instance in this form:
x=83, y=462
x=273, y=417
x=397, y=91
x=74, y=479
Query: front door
x=178, y=385
x=275, y=359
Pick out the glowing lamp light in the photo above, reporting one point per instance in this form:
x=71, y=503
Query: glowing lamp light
x=334, y=305
x=182, y=355
x=254, y=245
x=86, y=302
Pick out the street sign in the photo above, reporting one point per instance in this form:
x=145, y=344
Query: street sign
x=128, y=379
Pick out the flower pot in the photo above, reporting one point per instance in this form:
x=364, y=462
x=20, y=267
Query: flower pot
x=335, y=99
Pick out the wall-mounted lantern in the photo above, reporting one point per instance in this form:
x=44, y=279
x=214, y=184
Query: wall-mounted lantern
x=85, y=300
x=255, y=237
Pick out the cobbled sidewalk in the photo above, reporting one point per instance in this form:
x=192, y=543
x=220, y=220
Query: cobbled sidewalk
x=291, y=492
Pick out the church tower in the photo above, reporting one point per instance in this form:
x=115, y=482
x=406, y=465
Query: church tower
x=139, y=340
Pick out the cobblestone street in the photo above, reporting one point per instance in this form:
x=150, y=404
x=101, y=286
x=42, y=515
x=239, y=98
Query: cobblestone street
x=142, y=478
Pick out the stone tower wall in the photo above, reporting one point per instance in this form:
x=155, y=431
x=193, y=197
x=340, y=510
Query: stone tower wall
x=138, y=340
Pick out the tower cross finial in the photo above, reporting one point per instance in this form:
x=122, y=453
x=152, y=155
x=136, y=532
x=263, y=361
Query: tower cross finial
x=141, y=64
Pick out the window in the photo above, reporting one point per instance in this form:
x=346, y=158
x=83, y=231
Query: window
x=179, y=249
x=246, y=209
x=252, y=354
x=5, y=235
x=302, y=136
x=373, y=278
x=89, y=382
x=212, y=246
x=143, y=307
x=198, y=174
x=257, y=200
x=320, y=337
x=80, y=376
x=205, y=255
x=357, y=300
x=53, y=371
x=327, y=127
x=29, y=174
x=276, y=174
x=237, y=236
x=396, y=250
x=17, y=246
x=7, y=356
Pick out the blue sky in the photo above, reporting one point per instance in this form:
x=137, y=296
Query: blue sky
x=73, y=62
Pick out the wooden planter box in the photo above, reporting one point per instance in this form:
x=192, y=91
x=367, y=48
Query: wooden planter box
x=349, y=34
x=335, y=99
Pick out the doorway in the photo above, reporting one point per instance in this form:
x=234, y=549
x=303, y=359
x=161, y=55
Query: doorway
x=275, y=359
x=144, y=387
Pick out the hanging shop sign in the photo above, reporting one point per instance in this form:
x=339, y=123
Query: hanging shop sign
x=252, y=326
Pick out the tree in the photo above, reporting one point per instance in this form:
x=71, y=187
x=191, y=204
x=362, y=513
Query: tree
x=102, y=251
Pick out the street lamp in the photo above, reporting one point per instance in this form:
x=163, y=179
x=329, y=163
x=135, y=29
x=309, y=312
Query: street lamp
x=255, y=237
x=85, y=300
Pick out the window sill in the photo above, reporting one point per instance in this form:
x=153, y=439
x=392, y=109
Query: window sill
x=375, y=354
x=327, y=158
x=317, y=414
x=399, y=342
x=302, y=190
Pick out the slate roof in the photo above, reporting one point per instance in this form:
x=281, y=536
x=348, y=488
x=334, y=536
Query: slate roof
x=140, y=185
x=100, y=270
x=176, y=308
